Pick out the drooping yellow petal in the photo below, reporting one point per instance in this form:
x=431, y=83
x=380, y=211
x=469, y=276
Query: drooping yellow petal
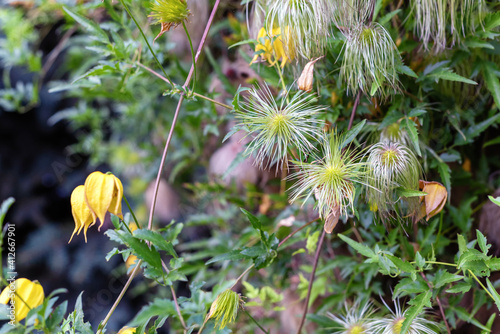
x=99, y=190
x=81, y=212
x=116, y=203
x=25, y=296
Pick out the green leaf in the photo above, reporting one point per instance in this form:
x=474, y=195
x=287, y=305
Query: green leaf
x=406, y=70
x=352, y=133
x=253, y=251
x=400, y=264
x=149, y=255
x=417, y=305
x=408, y=286
x=89, y=25
x=494, y=293
x=448, y=74
x=461, y=287
x=443, y=277
x=159, y=307
x=256, y=224
x=362, y=249
x=492, y=142
x=419, y=260
x=312, y=242
x=392, y=117
x=233, y=255
x=240, y=157
x=405, y=192
x=375, y=87
x=494, y=200
x=445, y=173
x=483, y=243
x=4, y=208
x=157, y=239
x=411, y=127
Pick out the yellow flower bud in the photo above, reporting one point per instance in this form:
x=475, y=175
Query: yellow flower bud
x=305, y=81
x=22, y=295
x=81, y=212
x=170, y=13
x=103, y=192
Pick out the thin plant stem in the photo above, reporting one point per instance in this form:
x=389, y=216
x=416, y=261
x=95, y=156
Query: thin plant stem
x=145, y=39
x=296, y=231
x=439, y=303
x=255, y=321
x=122, y=293
x=242, y=275
x=354, y=108
x=311, y=280
x=194, y=93
x=132, y=212
x=192, y=53
x=282, y=80
x=482, y=285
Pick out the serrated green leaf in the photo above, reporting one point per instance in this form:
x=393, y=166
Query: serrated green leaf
x=462, y=244
x=494, y=293
x=256, y=224
x=419, y=260
x=461, y=287
x=408, y=286
x=352, y=133
x=443, y=277
x=448, y=74
x=417, y=305
x=482, y=242
x=362, y=249
x=157, y=239
x=400, y=264
x=406, y=70
x=411, y=127
x=139, y=247
x=253, y=251
x=89, y=25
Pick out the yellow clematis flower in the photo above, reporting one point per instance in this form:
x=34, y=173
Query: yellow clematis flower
x=100, y=194
x=127, y=330
x=22, y=295
x=103, y=193
x=81, y=212
x=272, y=48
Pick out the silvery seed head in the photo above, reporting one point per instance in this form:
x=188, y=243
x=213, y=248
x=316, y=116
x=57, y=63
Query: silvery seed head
x=357, y=319
x=306, y=23
x=331, y=178
x=348, y=14
x=391, y=165
x=432, y=17
x=276, y=126
x=370, y=60
x=393, y=323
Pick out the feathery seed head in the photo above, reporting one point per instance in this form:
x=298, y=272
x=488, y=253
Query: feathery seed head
x=393, y=323
x=370, y=60
x=307, y=23
x=356, y=320
x=225, y=308
x=276, y=126
x=348, y=14
x=330, y=178
x=391, y=165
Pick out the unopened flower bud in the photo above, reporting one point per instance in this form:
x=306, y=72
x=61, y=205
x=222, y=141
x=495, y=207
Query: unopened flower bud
x=434, y=201
x=170, y=13
x=305, y=81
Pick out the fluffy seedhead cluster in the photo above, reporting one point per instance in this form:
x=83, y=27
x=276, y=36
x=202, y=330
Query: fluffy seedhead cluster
x=331, y=178
x=432, y=17
x=391, y=167
x=349, y=14
x=276, y=126
x=370, y=61
x=363, y=320
x=305, y=22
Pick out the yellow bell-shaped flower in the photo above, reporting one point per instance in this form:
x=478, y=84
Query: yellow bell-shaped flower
x=81, y=212
x=100, y=194
x=22, y=295
x=103, y=192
